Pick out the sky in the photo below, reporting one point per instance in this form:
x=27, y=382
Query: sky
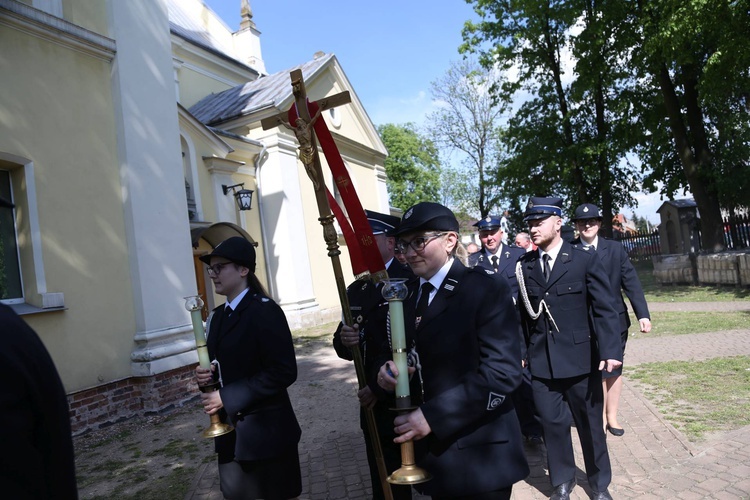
x=391, y=51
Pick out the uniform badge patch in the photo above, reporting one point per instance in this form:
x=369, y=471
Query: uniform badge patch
x=494, y=401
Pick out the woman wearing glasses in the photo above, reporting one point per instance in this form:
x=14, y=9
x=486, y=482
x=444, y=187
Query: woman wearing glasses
x=462, y=323
x=251, y=345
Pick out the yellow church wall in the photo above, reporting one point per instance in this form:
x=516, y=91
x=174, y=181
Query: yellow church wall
x=61, y=118
x=89, y=14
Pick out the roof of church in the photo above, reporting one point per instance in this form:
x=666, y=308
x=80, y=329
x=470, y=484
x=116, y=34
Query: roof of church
x=266, y=91
x=183, y=24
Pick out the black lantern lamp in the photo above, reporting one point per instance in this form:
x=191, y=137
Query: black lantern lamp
x=243, y=196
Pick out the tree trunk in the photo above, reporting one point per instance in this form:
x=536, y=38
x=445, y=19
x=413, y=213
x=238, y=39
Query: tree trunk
x=695, y=159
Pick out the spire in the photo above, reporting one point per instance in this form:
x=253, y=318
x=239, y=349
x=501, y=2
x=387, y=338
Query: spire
x=247, y=15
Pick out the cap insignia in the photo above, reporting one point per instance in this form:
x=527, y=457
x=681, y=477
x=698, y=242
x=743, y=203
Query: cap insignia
x=408, y=213
x=585, y=209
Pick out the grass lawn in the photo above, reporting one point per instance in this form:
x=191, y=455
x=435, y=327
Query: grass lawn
x=685, y=293
x=698, y=398
x=679, y=323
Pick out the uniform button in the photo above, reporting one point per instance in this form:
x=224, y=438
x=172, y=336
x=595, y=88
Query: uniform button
x=547, y=293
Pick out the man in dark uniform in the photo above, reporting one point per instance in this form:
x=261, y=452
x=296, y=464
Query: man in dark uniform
x=495, y=255
x=572, y=335
x=369, y=311
x=463, y=325
x=622, y=277
x=501, y=259
x=37, y=459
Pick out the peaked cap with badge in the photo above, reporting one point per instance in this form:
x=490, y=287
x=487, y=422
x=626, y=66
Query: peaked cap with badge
x=540, y=207
x=382, y=223
x=427, y=215
x=587, y=211
x=489, y=223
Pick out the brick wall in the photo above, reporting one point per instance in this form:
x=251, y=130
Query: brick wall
x=109, y=403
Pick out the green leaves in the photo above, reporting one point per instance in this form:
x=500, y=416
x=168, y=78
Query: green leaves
x=412, y=166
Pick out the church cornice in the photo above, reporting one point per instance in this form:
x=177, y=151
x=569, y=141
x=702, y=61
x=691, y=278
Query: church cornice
x=37, y=23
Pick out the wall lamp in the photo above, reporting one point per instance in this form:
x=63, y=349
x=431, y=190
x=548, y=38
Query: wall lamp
x=243, y=196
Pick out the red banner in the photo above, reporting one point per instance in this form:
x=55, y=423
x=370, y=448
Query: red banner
x=365, y=252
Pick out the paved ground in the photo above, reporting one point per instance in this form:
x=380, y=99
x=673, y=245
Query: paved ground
x=652, y=459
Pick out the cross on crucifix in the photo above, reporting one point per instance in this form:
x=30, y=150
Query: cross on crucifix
x=308, y=153
x=303, y=130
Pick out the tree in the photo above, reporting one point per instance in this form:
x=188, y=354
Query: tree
x=412, y=166
x=567, y=135
x=468, y=122
x=667, y=80
x=696, y=56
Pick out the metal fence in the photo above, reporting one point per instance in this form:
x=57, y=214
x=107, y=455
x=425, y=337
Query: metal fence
x=737, y=232
x=643, y=246
x=639, y=245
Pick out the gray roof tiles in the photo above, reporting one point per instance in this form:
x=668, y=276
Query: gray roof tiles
x=266, y=91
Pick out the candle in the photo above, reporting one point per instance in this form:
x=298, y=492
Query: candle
x=194, y=304
x=200, y=339
x=398, y=339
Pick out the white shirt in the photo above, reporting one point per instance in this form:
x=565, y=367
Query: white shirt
x=437, y=280
x=237, y=300
x=594, y=243
x=552, y=252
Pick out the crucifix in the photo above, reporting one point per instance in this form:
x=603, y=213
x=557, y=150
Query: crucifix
x=308, y=154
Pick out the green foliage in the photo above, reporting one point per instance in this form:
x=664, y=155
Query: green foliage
x=570, y=134
x=412, y=166
x=615, y=90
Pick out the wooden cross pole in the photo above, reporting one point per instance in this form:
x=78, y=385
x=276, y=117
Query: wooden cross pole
x=308, y=153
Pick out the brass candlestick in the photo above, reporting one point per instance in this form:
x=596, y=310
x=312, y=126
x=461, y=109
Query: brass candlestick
x=194, y=304
x=395, y=291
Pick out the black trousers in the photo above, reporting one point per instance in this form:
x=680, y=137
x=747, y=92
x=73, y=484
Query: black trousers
x=503, y=494
x=583, y=396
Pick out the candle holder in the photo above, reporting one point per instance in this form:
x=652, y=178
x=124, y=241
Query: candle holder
x=395, y=292
x=194, y=304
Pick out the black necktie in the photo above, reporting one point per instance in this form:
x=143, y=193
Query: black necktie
x=228, y=311
x=424, y=300
x=545, y=268
x=495, y=262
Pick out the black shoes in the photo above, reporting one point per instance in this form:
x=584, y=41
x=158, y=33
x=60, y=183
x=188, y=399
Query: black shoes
x=615, y=431
x=602, y=495
x=562, y=491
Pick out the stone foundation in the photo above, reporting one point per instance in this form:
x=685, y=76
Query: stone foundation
x=724, y=268
x=116, y=401
x=674, y=269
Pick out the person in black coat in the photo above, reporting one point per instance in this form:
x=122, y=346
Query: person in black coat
x=500, y=258
x=37, y=461
x=253, y=357
x=465, y=334
x=572, y=335
x=494, y=255
x=369, y=312
x=622, y=277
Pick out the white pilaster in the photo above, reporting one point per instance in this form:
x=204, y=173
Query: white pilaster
x=153, y=187
x=284, y=237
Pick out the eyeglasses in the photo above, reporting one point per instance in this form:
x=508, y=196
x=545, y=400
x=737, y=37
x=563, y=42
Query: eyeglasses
x=215, y=270
x=417, y=244
x=588, y=222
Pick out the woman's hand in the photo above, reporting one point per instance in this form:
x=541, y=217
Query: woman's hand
x=412, y=425
x=204, y=376
x=388, y=374
x=350, y=335
x=211, y=402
